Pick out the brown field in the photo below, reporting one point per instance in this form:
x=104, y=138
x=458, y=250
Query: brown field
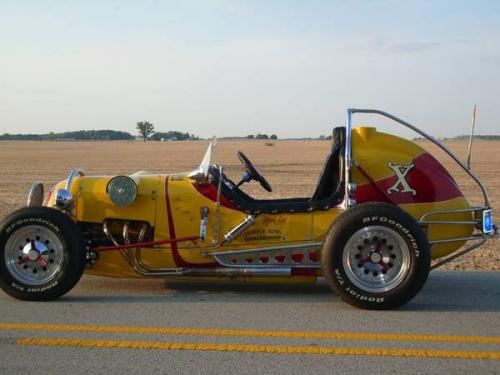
x=292, y=168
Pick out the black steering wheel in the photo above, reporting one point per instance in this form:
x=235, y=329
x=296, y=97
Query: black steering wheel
x=251, y=173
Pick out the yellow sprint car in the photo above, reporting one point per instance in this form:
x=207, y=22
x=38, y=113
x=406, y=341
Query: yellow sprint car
x=383, y=209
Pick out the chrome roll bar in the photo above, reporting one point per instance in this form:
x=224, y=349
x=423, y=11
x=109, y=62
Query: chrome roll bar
x=348, y=159
x=348, y=151
x=424, y=219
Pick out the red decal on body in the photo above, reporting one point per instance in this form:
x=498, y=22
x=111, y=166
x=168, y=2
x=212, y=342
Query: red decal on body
x=209, y=191
x=430, y=181
x=374, y=185
x=179, y=261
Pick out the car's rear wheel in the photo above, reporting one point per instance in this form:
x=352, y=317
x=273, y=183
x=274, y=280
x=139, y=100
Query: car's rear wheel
x=41, y=254
x=376, y=256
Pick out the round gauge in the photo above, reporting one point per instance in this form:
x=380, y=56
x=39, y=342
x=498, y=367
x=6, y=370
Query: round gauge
x=122, y=190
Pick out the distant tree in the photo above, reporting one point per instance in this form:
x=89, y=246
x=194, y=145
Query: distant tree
x=173, y=135
x=250, y=136
x=145, y=129
x=273, y=136
x=262, y=136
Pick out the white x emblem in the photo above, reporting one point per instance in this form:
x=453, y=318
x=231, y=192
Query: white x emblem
x=401, y=172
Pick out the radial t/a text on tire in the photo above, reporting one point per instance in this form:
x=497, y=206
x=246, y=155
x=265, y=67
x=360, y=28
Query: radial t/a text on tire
x=376, y=256
x=41, y=254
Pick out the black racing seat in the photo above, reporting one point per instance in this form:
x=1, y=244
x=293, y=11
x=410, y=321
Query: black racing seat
x=329, y=191
x=332, y=172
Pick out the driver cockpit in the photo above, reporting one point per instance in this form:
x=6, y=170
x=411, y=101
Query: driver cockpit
x=329, y=190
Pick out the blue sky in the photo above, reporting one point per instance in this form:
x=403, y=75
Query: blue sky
x=230, y=67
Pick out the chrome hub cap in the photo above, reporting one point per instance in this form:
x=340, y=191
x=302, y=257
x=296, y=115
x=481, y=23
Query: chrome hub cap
x=376, y=259
x=33, y=255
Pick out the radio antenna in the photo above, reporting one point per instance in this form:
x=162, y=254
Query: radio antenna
x=471, y=136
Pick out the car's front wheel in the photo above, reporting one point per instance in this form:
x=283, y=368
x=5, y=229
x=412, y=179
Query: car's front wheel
x=376, y=256
x=41, y=254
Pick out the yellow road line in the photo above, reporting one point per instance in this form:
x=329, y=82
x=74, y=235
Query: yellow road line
x=258, y=348
x=254, y=333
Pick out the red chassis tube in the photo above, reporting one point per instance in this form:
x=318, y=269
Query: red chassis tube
x=146, y=244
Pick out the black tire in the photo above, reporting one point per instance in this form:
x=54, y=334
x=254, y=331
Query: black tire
x=62, y=272
x=350, y=276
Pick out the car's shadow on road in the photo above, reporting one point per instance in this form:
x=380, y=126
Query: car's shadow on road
x=459, y=291
x=444, y=291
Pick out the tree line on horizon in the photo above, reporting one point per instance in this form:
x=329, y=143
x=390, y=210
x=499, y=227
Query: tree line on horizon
x=147, y=131
x=485, y=137
x=112, y=135
x=79, y=135
x=262, y=136
x=100, y=135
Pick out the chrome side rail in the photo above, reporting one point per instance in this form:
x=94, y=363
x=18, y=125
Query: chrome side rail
x=470, y=222
x=459, y=239
x=436, y=212
x=481, y=237
x=424, y=219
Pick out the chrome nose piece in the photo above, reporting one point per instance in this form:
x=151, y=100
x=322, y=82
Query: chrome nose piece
x=64, y=199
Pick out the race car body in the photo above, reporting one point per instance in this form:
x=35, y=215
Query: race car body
x=382, y=209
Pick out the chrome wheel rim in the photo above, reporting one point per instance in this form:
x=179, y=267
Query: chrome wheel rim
x=376, y=259
x=34, y=255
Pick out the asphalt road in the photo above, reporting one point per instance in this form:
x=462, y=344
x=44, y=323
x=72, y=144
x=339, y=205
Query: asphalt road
x=452, y=326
